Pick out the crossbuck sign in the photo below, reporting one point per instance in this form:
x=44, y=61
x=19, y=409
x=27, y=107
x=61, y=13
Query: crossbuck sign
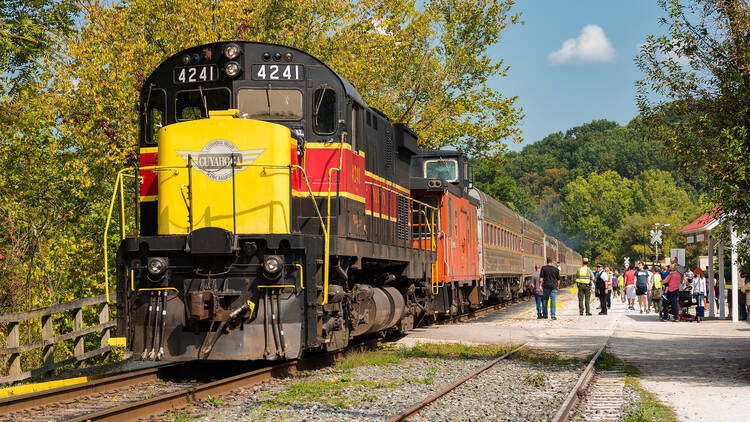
x=655, y=237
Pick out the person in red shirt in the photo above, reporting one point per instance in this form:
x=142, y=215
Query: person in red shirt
x=630, y=288
x=672, y=285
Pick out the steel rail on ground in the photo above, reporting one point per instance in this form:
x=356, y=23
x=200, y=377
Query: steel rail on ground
x=422, y=404
x=579, y=388
x=187, y=396
x=55, y=395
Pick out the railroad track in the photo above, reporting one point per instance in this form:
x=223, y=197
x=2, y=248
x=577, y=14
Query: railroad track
x=148, y=392
x=571, y=400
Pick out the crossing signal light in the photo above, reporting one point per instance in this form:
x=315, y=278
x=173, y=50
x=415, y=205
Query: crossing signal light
x=661, y=257
x=652, y=257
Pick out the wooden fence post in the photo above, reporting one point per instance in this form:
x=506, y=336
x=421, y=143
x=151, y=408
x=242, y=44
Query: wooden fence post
x=13, y=340
x=103, y=319
x=78, y=342
x=48, y=352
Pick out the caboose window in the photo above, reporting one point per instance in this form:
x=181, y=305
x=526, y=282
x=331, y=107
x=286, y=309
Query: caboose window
x=441, y=169
x=192, y=105
x=324, y=114
x=155, y=115
x=270, y=104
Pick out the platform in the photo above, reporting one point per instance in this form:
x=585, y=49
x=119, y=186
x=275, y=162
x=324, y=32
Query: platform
x=692, y=367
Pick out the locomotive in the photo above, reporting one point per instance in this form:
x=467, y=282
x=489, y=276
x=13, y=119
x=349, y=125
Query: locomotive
x=276, y=213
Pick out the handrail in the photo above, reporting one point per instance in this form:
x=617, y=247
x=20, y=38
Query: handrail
x=118, y=182
x=327, y=257
x=118, y=186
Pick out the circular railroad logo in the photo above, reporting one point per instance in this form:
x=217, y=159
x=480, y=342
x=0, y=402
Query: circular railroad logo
x=215, y=159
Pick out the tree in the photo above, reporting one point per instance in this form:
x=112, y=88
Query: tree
x=594, y=207
x=696, y=94
x=27, y=29
x=71, y=126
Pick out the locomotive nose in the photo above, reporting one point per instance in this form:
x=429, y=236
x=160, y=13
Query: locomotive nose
x=224, y=172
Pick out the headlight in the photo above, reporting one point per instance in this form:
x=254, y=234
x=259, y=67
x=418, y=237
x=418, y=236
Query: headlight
x=231, y=51
x=157, y=266
x=232, y=69
x=272, y=264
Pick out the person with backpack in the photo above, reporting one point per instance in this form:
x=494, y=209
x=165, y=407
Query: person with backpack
x=641, y=287
x=656, y=290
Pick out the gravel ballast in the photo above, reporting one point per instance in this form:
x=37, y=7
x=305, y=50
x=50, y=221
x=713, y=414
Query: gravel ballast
x=511, y=390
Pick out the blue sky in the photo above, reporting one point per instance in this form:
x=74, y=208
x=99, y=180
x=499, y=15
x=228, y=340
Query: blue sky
x=590, y=79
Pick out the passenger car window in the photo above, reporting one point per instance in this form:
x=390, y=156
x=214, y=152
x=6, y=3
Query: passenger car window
x=191, y=105
x=324, y=114
x=441, y=169
x=270, y=104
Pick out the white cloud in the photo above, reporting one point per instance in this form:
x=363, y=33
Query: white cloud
x=591, y=46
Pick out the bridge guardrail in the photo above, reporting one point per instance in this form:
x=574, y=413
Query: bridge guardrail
x=11, y=354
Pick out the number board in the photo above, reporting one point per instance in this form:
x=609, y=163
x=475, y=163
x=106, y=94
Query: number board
x=190, y=74
x=278, y=72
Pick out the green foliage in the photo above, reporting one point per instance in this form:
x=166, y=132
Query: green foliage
x=599, y=187
x=535, y=380
x=27, y=29
x=696, y=94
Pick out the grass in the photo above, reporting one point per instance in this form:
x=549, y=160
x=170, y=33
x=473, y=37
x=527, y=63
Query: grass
x=214, y=400
x=452, y=351
x=182, y=417
x=535, y=380
x=368, y=358
x=648, y=408
x=544, y=357
x=609, y=362
x=335, y=391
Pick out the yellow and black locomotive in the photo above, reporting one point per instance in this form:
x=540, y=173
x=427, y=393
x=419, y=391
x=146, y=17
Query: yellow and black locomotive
x=277, y=213
x=274, y=211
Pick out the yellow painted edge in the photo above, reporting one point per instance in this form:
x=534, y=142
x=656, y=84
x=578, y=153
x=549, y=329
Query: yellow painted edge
x=116, y=341
x=324, y=194
x=149, y=150
x=503, y=228
x=149, y=198
x=502, y=248
x=327, y=145
x=158, y=289
x=40, y=386
x=387, y=182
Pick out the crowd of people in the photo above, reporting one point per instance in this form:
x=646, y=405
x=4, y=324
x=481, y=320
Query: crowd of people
x=654, y=288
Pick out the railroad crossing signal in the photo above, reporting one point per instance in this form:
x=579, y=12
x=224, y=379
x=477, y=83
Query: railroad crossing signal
x=655, y=237
x=626, y=261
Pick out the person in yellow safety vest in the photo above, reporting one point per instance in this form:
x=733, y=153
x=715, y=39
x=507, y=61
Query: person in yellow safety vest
x=621, y=283
x=584, y=279
x=656, y=290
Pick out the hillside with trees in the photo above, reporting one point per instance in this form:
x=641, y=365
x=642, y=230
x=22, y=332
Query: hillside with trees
x=600, y=187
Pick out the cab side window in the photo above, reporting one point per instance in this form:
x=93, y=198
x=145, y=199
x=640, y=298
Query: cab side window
x=324, y=111
x=156, y=113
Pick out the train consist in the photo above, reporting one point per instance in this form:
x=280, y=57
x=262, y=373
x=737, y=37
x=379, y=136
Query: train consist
x=277, y=214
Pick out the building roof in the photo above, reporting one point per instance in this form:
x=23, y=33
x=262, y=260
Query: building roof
x=705, y=222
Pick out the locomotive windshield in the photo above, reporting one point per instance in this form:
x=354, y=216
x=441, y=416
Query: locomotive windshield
x=270, y=104
x=441, y=169
x=193, y=104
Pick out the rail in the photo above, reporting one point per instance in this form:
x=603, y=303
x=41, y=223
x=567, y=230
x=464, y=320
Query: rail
x=13, y=347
